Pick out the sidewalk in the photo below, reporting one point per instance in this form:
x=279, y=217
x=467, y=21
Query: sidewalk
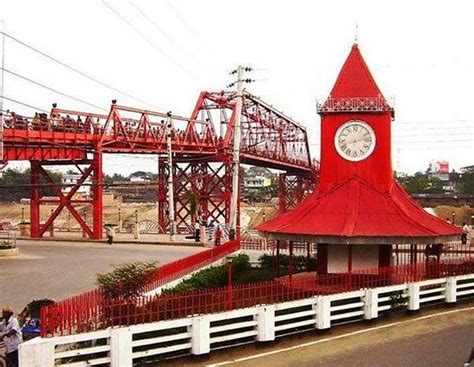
x=144, y=239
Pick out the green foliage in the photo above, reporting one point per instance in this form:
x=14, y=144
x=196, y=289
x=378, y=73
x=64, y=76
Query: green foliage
x=126, y=280
x=109, y=179
x=421, y=183
x=242, y=273
x=14, y=181
x=397, y=301
x=466, y=183
x=299, y=262
x=217, y=276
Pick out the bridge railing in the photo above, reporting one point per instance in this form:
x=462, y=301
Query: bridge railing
x=90, y=312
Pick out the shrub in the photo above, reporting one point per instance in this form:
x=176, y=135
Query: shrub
x=126, y=280
x=299, y=262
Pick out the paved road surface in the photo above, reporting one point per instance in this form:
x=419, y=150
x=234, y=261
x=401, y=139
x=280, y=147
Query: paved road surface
x=60, y=269
x=443, y=339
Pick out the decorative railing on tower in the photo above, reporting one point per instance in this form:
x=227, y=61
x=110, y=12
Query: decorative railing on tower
x=355, y=104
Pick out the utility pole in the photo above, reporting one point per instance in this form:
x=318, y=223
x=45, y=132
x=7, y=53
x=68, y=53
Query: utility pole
x=1, y=89
x=234, y=201
x=170, y=176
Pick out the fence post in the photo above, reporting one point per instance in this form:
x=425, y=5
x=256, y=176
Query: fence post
x=323, y=312
x=413, y=296
x=201, y=335
x=37, y=352
x=451, y=294
x=266, y=323
x=121, y=347
x=371, y=305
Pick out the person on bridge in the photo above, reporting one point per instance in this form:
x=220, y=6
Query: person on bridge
x=10, y=333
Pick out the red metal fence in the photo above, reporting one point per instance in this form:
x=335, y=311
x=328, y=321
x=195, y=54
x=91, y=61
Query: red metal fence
x=90, y=311
x=182, y=267
x=81, y=312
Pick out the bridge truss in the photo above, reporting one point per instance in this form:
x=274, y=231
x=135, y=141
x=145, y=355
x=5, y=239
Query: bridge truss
x=202, y=155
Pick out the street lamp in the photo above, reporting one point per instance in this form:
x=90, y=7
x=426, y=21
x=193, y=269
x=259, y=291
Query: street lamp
x=264, y=216
x=472, y=219
x=119, y=214
x=453, y=214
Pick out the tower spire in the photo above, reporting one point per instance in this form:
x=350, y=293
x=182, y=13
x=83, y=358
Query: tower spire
x=356, y=36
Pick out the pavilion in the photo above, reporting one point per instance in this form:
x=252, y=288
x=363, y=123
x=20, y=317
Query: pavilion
x=358, y=210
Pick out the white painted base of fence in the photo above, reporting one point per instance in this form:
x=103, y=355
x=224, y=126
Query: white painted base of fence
x=201, y=334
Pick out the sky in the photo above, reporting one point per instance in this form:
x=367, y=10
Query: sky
x=162, y=53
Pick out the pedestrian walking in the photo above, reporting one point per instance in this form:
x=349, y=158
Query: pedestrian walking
x=465, y=231
x=109, y=231
x=218, y=235
x=10, y=334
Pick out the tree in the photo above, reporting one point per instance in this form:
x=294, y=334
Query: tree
x=15, y=184
x=466, y=183
x=126, y=281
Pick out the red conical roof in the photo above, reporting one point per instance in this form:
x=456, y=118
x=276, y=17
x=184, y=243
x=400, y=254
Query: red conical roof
x=356, y=212
x=355, y=79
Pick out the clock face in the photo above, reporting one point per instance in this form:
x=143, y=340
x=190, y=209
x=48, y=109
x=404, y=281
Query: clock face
x=355, y=140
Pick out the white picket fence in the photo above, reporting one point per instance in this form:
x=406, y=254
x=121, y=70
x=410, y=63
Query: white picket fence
x=200, y=334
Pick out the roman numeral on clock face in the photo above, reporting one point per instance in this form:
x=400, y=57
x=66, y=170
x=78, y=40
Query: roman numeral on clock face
x=355, y=140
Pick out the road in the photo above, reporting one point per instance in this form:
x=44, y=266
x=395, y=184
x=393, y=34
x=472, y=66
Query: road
x=46, y=269
x=438, y=337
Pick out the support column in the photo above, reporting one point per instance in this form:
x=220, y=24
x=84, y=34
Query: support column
x=413, y=296
x=266, y=323
x=371, y=304
x=290, y=263
x=322, y=258
x=451, y=294
x=200, y=335
x=308, y=257
x=37, y=352
x=35, y=217
x=278, y=259
x=121, y=347
x=97, y=195
x=323, y=313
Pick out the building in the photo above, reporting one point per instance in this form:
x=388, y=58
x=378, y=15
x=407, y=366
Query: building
x=69, y=180
x=358, y=210
x=256, y=183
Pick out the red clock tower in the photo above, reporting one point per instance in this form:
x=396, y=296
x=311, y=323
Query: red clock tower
x=358, y=210
x=355, y=129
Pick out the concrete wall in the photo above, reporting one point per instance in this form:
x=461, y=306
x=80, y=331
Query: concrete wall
x=363, y=257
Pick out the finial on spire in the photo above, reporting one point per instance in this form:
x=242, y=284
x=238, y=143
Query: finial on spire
x=356, y=38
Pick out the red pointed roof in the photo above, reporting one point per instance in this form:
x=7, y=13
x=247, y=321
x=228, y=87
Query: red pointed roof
x=356, y=212
x=355, y=79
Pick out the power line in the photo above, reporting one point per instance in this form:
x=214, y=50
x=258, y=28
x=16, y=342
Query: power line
x=148, y=40
x=77, y=71
x=23, y=104
x=52, y=89
x=152, y=22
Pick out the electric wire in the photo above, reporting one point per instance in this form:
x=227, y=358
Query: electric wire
x=148, y=40
x=77, y=71
x=23, y=104
x=52, y=89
